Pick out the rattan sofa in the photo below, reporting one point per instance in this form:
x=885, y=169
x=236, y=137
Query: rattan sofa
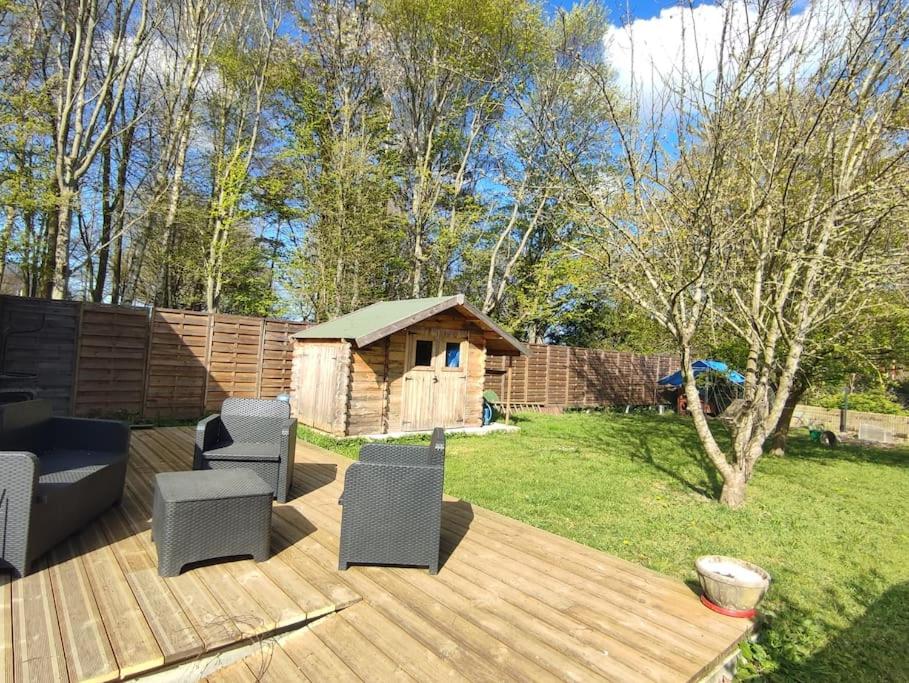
x=392, y=505
x=252, y=433
x=56, y=475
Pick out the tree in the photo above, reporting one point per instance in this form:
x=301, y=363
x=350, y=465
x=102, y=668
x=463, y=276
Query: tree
x=236, y=105
x=445, y=73
x=115, y=33
x=774, y=208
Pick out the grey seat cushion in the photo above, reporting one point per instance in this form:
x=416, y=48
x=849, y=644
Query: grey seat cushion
x=261, y=451
x=65, y=466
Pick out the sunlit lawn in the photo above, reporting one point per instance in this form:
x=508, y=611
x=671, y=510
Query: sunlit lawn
x=830, y=526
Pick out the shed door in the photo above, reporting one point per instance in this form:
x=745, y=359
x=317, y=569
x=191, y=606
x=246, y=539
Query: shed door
x=435, y=382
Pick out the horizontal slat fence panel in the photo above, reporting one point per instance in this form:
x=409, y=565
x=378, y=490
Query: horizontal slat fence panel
x=573, y=376
x=177, y=370
x=113, y=347
x=234, y=359
x=38, y=341
x=277, y=357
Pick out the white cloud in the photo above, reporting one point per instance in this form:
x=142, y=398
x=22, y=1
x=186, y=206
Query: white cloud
x=685, y=42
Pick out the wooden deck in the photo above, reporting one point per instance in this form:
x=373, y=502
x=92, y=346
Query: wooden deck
x=510, y=603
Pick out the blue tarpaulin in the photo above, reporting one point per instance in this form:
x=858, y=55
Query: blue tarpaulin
x=700, y=367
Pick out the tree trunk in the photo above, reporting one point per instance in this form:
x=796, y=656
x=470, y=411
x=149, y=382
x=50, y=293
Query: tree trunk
x=60, y=248
x=5, y=238
x=733, y=493
x=106, y=220
x=780, y=435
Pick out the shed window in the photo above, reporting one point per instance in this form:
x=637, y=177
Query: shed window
x=423, y=354
x=453, y=355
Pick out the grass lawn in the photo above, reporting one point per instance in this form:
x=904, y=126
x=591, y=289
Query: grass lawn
x=830, y=526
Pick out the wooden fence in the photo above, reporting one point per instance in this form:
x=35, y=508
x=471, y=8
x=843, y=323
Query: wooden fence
x=100, y=360
x=560, y=376
x=885, y=428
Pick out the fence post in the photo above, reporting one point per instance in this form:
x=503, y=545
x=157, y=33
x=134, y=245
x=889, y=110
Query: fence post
x=146, y=375
x=77, y=352
x=260, y=357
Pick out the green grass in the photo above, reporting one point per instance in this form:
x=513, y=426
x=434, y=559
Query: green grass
x=830, y=526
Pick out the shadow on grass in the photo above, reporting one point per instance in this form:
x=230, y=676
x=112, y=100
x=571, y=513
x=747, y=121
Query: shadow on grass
x=872, y=648
x=668, y=444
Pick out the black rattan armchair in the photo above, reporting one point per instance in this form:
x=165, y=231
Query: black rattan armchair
x=393, y=505
x=253, y=433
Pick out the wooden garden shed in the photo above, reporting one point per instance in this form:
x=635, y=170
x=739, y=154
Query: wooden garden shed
x=407, y=365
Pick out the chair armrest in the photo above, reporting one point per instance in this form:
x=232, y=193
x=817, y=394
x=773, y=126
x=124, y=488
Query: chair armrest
x=208, y=431
x=289, y=439
x=393, y=454
x=89, y=434
x=18, y=486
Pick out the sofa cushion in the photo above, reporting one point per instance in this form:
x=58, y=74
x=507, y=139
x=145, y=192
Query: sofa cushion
x=68, y=466
x=237, y=450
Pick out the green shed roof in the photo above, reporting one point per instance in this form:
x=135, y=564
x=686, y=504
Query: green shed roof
x=369, y=324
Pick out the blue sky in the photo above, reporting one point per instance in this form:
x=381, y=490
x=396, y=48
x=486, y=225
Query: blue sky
x=640, y=9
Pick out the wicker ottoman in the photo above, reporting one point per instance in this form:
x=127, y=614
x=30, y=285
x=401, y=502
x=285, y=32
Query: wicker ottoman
x=207, y=514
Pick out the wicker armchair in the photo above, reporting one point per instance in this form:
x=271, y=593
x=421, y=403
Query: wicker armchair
x=392, y=502
x=56, y=475
x=252, y=433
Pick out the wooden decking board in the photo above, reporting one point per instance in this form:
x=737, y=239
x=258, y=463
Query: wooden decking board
x=619, y=616
x=364, y=658
x=510, y=603
x=173, y=630
x=451, y=621
x=6, y=628
x=430, y=637
x=131, y=638
x=89, y=656
x=419, y=662
x=315, y=659
x=271, y=664
x=673, y=609
x=648, y=664
x=38, y=646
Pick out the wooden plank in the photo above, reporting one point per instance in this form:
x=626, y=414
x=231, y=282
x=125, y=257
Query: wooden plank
x=271, y=664
x=365, y=659
x=38, y=648
x=237, y=672
x=88, y=653
x=6, y=628
x=315, y=659
x=173, y=629
x=131, y=638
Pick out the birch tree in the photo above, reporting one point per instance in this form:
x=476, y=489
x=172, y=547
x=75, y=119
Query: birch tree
x=236, y=104
x=773, y=208
x=80, y=35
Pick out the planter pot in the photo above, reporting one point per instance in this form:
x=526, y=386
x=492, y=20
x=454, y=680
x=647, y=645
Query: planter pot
x=733, y=585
